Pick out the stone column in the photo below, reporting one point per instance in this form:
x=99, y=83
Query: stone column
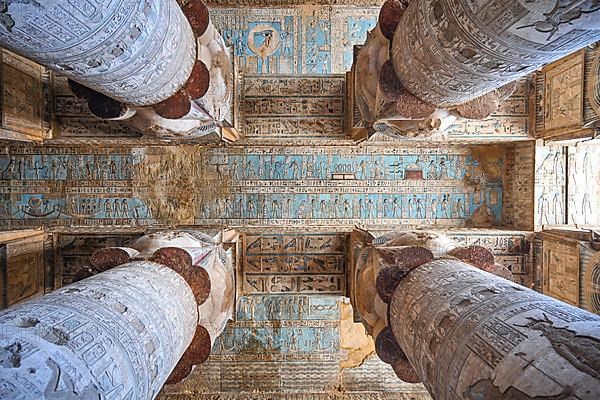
x=429, y=63
x=139, y=52
x=468, y=334
x=448, y=52
x=203, y=261
x=116, y=335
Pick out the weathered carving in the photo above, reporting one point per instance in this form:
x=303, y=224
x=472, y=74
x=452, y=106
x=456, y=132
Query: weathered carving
x=119, y=48
x=23, y=86
x=451, y=51
x=472, y=335
x=119, y=333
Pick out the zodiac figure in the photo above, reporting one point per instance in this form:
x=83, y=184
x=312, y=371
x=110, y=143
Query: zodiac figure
x=564, y=12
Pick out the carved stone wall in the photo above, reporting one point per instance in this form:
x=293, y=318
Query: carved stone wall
x=23, y=266
x=24, y=99
x=568, y=97
x=560, y=268
x=567, y=185
x=519, y=185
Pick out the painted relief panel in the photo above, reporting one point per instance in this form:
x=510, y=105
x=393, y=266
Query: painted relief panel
x=305, y=263
x=584, y=185
x=22, y=98
x=96, y=186
x=286, y=344
x=344, y=187
x=309, y=186
x=550, y=185
x=277, y=343
x=302, y=40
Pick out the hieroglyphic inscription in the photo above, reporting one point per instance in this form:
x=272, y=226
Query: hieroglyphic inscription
x=567, y=185
x=583, y=188
x=346, y=186
x=71, y=186
x=307, y=263
x=563, y=94
x=282, y=107
x=255, y=186
x=519, y=184
x=292, y=106
x=550, y=185
x=92, y=186
x=290, y=85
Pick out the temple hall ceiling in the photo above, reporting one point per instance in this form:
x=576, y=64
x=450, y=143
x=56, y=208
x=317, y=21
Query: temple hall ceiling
x=295, y=186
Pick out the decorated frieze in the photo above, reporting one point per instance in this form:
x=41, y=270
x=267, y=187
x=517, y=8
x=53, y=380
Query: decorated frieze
x=346, y=186
x=257, y=186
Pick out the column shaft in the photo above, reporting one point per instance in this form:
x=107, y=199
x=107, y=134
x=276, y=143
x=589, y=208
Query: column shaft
x=115, y=335
x=472, y=335
x=447, y=52
x=139, y=52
